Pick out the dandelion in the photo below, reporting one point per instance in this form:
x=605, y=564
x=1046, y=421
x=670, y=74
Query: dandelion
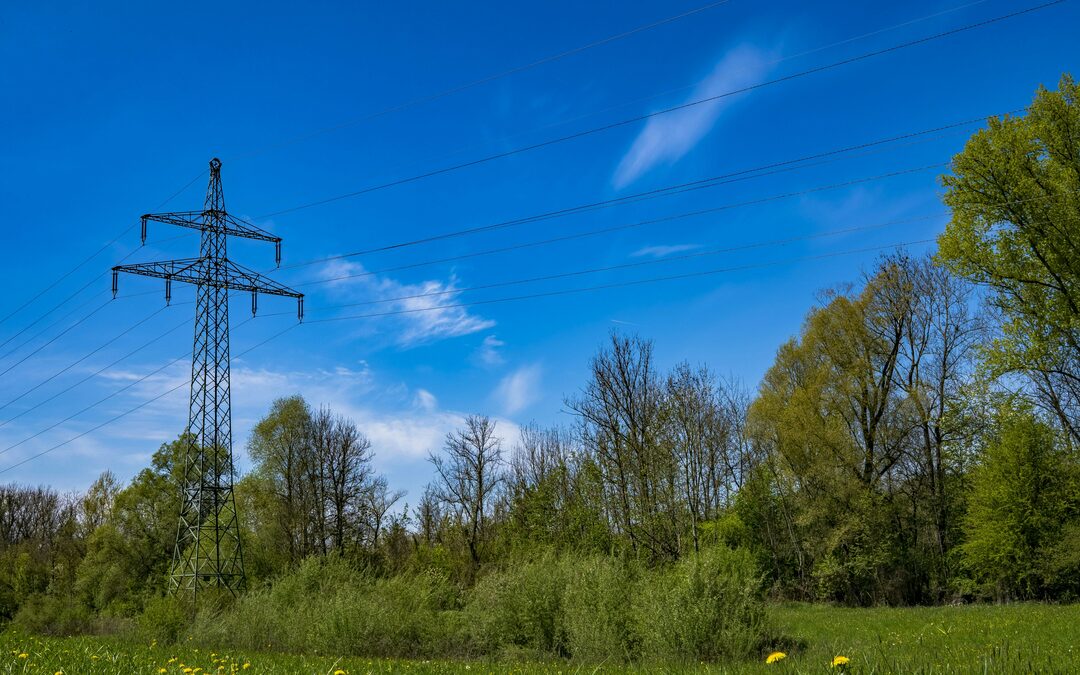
x=339, y=671
x=246, y=666
x=840, y=661
x=163, y=670
x=24, y=655
x=775, y=656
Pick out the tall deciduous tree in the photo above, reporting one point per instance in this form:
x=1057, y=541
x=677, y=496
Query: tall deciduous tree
x=469, y=472
x=1015, y=199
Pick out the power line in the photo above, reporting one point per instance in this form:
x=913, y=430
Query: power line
x=93, y=255
x=632, y=265
x=50, y=311
x=489, y=78
x=126, y=412
x=627, y=226
x=55, y=337
x=63, y=302
x=110, y=365
x=613, y=125
x=60, y=320
x=600, y=231
x=620, y=284
x=83, y=358
x=710, y=181
x=96, y=373
x=655, y=95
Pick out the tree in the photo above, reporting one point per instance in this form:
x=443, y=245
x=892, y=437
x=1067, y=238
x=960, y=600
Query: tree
x=621, y=426
x=128, y=556
x=279, y=448
x=314, y=470
x=1015, y=200
x=866, y=419
x=468, y=476
x=1023, y=495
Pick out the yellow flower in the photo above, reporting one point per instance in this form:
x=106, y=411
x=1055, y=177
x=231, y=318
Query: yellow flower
x=775, y=656
x=188, y=669
x=163, y=670
x=339, y=671
x=24, y=655
x=246, y=666
x=840, y=661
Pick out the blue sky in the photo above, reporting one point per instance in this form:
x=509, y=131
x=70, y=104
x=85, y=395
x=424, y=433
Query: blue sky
x=110, y=108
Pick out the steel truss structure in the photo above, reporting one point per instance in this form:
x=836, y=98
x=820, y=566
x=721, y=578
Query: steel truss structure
x=208, y=552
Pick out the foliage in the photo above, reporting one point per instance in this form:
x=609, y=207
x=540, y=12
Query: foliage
x=705, y=608
x=1024, y=492
x=1015, y=201
x=328, y=606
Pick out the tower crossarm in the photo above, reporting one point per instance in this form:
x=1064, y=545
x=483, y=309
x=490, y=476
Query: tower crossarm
x=204, y=221
x=206, y=272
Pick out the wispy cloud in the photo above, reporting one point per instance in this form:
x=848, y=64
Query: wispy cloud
x=425, y=400
x=488, y=353
x=519, y=389
x=427, y=306
x=667, y=138
x=663, y=251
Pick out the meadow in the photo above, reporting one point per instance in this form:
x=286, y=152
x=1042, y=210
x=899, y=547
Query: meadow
x=1017, y=638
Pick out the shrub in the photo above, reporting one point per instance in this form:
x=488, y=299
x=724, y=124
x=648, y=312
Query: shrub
x=519, y=607
x=706, y=608
x=326, y=606
x=51, y=615
x=597, y=620
x=164, y=618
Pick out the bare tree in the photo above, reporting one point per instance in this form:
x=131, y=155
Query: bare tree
x=429, y=517
x=349, y=481
x=378, y=499
x=621, y=425
x=469, y=473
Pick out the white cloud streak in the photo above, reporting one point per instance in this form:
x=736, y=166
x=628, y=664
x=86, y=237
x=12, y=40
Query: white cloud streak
x=519, y=389
x=429, y=317
x=667, y=138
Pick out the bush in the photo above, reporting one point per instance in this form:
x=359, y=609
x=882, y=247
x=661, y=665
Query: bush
x=704, y=608
x=597, y=620
x=326, y=606
x=520, y=608
x=594, y=609
x=164, y=618
x=51, y=615
x=586, y=608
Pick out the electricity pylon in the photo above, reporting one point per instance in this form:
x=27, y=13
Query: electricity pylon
x=208, y=552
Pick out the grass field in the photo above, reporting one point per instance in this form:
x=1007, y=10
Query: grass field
x=974, y=639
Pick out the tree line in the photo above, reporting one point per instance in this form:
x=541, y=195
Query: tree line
x=916, y=442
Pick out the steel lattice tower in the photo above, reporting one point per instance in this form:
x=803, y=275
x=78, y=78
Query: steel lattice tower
x=208, y=551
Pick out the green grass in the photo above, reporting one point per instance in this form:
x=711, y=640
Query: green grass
x=1023, y=638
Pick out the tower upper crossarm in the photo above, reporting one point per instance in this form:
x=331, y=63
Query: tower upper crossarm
x=204, y=221
x=203, y=272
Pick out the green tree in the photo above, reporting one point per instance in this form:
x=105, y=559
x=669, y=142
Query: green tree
x=1023, y=495
x=1015, y=200
x=129, y=554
